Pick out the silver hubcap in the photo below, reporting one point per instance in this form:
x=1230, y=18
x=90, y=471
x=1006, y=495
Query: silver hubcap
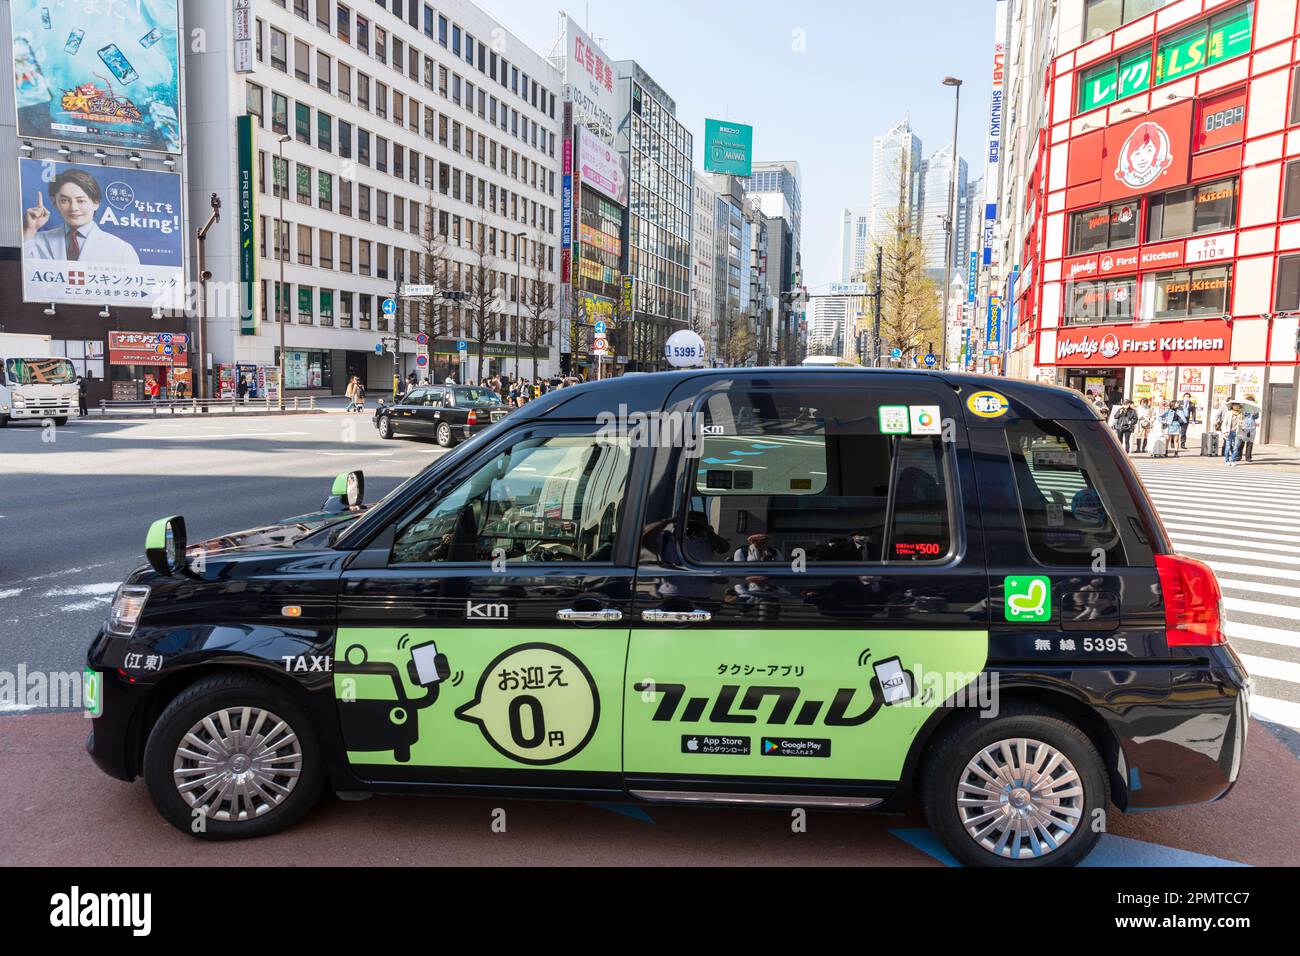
x=237, y=763
x=1020, y=798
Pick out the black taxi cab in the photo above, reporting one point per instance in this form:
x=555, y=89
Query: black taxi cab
x=834, y=588
x=445, y=413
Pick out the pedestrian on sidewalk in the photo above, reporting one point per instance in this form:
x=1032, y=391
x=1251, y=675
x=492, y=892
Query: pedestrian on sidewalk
x=1125, y=420
x=361, y=396
x=1142, y=428
x=1251, y=425
x=351, y=393
x=152, y=390
x=1232, y=426
x=81, y=395
x=1174, y=421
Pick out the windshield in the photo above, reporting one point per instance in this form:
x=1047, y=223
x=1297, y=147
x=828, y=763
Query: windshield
x=39, y=371
x=477, y=396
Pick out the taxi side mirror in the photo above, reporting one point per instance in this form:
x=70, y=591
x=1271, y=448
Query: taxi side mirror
x=164, y=545
x=349, y=489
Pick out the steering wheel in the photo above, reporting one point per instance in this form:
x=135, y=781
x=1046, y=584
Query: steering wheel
x=552, y=552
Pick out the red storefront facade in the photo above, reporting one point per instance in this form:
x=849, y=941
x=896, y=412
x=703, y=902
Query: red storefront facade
x=1164, y=252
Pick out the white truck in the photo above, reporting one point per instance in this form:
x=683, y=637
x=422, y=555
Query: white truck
x=35, y=383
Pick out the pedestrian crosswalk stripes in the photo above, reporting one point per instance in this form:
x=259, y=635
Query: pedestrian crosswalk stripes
x=1267, y=667
x=1258, y=632
x=1244, y=523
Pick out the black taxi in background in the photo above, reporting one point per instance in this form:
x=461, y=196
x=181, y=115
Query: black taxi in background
x=445, y=413
x=834, y=588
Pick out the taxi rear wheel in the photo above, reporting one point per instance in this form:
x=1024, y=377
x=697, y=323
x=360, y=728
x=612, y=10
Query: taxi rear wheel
x=232, y=757
x=1019, y=790
x=444, y=435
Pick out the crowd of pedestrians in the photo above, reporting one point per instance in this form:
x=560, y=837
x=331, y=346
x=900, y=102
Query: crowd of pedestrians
x=1159, y=428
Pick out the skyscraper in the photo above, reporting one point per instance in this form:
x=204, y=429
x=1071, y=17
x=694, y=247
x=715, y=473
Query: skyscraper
x=777, y=187
x=855, y=238
x=935, y=186
x=895, y=179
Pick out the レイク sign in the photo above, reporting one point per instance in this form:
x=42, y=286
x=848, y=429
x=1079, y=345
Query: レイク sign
x=1204, y=342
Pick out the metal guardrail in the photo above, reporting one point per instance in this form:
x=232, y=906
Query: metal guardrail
x=197, y=406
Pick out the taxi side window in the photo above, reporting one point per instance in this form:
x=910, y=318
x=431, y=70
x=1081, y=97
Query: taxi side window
x=546, y=498
x=416, y=397
x=1066, y=518
x=786, y=476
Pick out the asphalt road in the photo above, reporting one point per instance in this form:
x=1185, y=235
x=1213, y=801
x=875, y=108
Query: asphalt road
x=74, y=511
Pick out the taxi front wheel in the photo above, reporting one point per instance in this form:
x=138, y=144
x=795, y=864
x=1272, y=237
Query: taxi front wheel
x=1022, y=789
x=232, y=757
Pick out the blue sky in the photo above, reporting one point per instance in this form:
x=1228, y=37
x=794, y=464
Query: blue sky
x=864, y=65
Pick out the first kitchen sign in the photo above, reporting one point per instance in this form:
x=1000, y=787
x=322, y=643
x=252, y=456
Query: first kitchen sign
x=1205, y=342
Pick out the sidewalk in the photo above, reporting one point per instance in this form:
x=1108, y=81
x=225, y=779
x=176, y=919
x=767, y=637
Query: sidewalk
x=1271, y=457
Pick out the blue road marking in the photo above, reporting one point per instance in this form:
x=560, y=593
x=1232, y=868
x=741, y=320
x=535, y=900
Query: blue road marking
x=627, y=810
x=1111, y=850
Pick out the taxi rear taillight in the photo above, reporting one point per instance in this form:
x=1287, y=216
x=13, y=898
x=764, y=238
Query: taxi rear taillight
x=472, y=420
x=1193, y=602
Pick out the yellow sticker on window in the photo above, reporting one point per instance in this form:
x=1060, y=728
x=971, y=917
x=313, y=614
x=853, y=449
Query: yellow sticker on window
x=988, y=404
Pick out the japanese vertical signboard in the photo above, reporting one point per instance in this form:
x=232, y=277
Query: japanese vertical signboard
x=101, y=235
x=244, y=36
x=247, y=189
x=994, y=159
x=589, y=82
x=103, y=73
x=993, y=327
x=627, y=302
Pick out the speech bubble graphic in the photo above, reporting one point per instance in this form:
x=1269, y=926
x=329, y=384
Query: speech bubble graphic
x=535, y=704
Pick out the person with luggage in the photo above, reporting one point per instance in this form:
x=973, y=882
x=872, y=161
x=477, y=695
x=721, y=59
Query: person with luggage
x=1124, y=421
x=1142, y=427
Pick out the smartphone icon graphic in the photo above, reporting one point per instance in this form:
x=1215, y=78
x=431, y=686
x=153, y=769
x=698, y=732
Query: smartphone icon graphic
x=74, y=41
x=116, y=61
x=150, y=38
x=895, y=683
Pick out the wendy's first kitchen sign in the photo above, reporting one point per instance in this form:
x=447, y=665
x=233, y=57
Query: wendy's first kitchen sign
x=1204, y=342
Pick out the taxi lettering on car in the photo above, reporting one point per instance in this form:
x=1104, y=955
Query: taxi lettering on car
x=838, y=588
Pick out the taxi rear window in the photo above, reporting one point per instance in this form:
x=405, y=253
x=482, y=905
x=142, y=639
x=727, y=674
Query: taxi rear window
x=1065, y=484
x=820, y=477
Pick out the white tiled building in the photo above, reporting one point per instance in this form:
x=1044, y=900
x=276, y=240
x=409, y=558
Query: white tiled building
x=398, y=113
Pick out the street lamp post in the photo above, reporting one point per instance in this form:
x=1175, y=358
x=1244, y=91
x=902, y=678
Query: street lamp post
x=201, y=238
x=950, y=222
x=282, y=252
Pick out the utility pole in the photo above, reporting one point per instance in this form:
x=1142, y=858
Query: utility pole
x=282, y=295
x=950, y=224
x=204, y=275
x=875, y=322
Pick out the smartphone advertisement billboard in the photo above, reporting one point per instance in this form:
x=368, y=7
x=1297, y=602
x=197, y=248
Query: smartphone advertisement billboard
x=103, y=74
x=101, y=235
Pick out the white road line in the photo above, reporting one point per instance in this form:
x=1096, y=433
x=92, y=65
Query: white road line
x=1262, y=608
x=1260, y=587
x=1193, y=543
x=1224, y=567
x=1267, y=667
x=1258, y=632
x=1282, y=712
x=128, y=435
x=1176, y=511
x=1238, y=531
x=1255, y=507
x=1278, y=550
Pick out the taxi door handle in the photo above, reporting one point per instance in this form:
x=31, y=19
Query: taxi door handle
x=660, y=616
x=605, y=615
